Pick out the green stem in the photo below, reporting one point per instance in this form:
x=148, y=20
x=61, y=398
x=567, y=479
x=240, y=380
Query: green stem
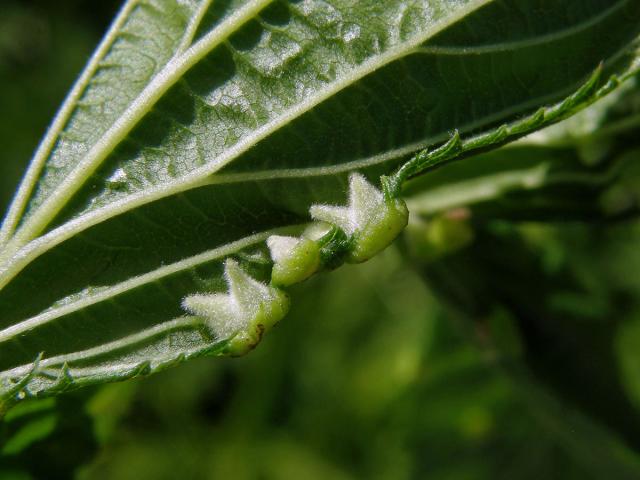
x=456, y=147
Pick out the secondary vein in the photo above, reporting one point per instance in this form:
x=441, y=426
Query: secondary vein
x=14, y=260
x=164, y=80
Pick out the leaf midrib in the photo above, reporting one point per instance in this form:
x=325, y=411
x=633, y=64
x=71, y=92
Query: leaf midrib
x=138, y=108
x=42, y=244
x=101, y=150
x=528, y=178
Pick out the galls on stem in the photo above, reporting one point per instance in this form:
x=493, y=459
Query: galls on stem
x=368, y=224
x=294, y=259
x=244, y=314
x=372, y=220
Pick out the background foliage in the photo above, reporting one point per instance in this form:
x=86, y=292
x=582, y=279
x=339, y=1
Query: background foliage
x=373, y=374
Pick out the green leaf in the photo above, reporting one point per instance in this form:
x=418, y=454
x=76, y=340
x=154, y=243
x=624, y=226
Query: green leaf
x=583, y=168
x=200, y=129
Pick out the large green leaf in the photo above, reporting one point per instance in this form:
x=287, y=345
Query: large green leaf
x=201, y=128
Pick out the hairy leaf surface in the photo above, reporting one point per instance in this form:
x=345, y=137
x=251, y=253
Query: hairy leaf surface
x=200, y=128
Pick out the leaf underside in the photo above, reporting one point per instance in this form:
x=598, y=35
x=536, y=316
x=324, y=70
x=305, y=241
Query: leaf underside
x=200, y=128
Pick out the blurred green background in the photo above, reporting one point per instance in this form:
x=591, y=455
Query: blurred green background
x=516, y=356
